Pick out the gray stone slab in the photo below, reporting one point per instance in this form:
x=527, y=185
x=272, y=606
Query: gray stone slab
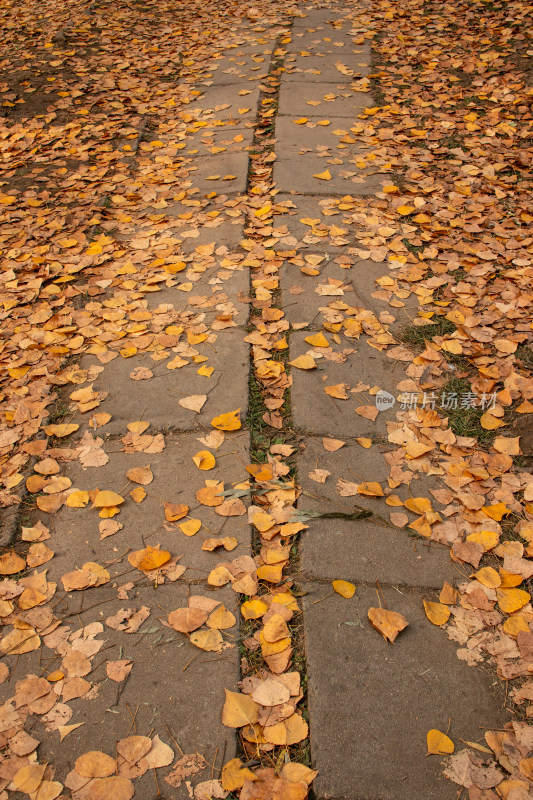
x=295, y=175
x=372, y=703
x=241, y=63
x=322, y=68
x=328, y=416
x=162, y=692
x=76, y=536
x=294, y=138
x=334, y=99
x=358, y=281
x=219, y=291
x=362, y=550
x=156, y=399
x=320, y=19
x=234, y=137
x=227, y=173
x=224, y=102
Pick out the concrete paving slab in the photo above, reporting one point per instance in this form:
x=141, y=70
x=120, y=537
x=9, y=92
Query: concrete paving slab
x=328, y=99
x=372, y=703
x=157, y=399
x=237, y=101
x=298, y=138
x=234, y=137
x=76, y=536
x=322, y=68
x=227, y=173
x=162, y=692
x=213, y=289
x=241, y=63
x=327, y=416
x=362, y=550
x=295, y=175
x=358, y=281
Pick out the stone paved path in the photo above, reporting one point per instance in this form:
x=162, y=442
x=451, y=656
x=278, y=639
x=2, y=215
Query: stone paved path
x=370, y=704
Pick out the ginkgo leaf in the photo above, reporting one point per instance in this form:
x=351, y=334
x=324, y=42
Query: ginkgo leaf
x=323, y=176
x=438, y=743
x=437, y=613
x=388, y=623
x=344, y=588
x=239, y=710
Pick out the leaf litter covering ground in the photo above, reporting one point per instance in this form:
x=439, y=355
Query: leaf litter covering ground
x=453, y=128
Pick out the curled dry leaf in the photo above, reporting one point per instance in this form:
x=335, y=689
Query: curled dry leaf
x=388, y=623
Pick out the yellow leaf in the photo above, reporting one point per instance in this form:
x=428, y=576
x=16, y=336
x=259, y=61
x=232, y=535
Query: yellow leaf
x=149, y=558
x=439, y=744
x=370, y=489
x=61, y=430
x=405, y=210
x=496, y=511
x=364, y=442
x=253, y=609
x=106, y=499
x=175, y=511
x=488, y=576
x=234, y=773
x=388, y=623
x=190, y=526
x=142, y=475
x=11, y=563
x=303, y=362
x=487, y=539
x=77, y=499
x=317, y=340
x=510, y=600
x=138, y=494
x=207, y=639
x=221, y=619
x=516, y=623
x=344, y=588
x=490, y=422
x=204, y=460
x=437, y=613
x=323, y=176
x=300, y=121
x=337, y=390
x=227, y=422
x=239, y=710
